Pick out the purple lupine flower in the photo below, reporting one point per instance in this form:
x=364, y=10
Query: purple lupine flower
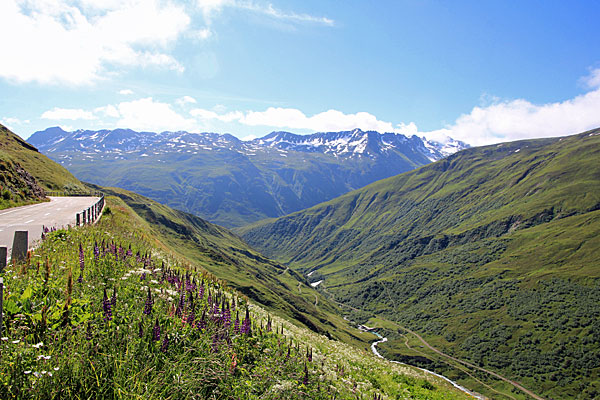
x=165, y=344
x=305, y=380
x=129, y=252
x=140, y=329
x=202, y=323
x=226, y=317
x=81, y=264
x=156, y=331
x=106, y=305
x=201, y=290
x=143, y=276
x=149, y=303
x=236, y=324
x=247, y=324
x=96, y=251
x=180, y=305
x=215, y=345
x=191, y=317
x=269, y=324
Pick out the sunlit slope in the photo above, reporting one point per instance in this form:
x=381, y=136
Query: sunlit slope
x=493, y=253
x=225, y=255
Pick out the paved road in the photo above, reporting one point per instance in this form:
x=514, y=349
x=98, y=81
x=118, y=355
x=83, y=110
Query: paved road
x=58, y=212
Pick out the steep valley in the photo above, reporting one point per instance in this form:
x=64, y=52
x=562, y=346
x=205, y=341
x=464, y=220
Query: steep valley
x=491, y=254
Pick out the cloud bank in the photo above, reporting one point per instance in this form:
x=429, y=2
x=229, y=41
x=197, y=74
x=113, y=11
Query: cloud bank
x=511, y=120
x=500, y=121
x=78, y=43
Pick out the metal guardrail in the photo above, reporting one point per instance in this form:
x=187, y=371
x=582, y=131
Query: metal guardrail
x=90, y=214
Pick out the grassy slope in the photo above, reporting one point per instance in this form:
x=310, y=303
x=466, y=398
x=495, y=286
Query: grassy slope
x=58, y=342
x=492, y=253
x=225, y=255
x=49, y=175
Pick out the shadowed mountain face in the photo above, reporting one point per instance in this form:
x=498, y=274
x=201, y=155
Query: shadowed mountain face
x=231, y=182
x=492, y=253
x=19, y=186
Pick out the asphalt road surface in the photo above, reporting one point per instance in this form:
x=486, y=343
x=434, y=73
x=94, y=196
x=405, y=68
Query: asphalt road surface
x=58, y=212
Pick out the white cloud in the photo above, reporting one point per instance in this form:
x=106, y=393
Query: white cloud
x=68, y=113
x=108, y=111
x=185, y=100
x=79, y=42
x=211, y=7
x=208, y=115
x=292, y=118
x=11, y=122
x=521, y=119
x=331, y=120
x=126, y=92
x=150, y=115
x=593, y=79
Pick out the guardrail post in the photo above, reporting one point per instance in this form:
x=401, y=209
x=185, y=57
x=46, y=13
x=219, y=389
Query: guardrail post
x=77, y=219
x=20, y=244
x=3, y=255
x=1, y=303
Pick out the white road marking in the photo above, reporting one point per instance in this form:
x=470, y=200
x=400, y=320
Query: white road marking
x=20, y=208
x=46, y=214
x=31, y=220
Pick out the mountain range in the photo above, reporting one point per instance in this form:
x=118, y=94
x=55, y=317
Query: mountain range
x=193, y=311
x=490, y=253
x=233, y=182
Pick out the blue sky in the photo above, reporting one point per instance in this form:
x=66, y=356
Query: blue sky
x=478, y=71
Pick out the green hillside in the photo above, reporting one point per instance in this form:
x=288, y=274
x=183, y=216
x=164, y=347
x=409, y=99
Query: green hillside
x=191, y=238
x=48, y=174
x=492, y=254
x=228, y=258
x=109, y=311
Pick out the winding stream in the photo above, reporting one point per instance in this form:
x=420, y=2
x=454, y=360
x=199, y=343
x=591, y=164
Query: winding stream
x=456, y=385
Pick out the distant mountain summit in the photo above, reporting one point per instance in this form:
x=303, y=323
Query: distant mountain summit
x=358, y=142
x=234, y=182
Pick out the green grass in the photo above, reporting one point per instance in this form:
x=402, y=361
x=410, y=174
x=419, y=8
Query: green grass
x=60, y=341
